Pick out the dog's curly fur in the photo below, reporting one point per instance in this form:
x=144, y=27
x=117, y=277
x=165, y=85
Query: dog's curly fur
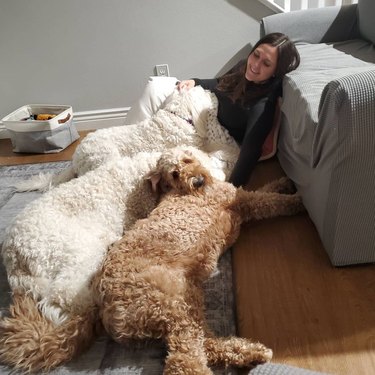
x=150, y=285
x=55, y=246
x=52, y=250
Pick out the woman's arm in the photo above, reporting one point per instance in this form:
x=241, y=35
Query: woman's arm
x=207, y=84
x=259, y=124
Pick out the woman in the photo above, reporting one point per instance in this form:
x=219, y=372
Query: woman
x=247, y=97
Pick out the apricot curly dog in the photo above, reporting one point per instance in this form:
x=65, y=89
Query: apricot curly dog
x=150, y=285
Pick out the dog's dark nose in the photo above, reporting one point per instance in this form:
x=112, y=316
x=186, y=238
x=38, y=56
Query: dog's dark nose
x=198, y=181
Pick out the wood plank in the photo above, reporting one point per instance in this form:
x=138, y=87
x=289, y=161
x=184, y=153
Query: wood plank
x=291, y=298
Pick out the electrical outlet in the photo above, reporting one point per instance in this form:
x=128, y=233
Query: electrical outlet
x=162, y=70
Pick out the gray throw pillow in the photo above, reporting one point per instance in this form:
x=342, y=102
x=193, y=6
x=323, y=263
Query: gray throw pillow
x=366, y=15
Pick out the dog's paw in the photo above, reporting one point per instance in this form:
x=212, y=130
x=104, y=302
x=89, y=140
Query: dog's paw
x=286, y=186
x=283, y=185
x=257, y=353
x=296, y=205
x=268, y=354
x=237, y=351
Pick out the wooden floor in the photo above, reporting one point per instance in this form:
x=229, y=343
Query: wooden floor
x=288, y=295
x=7, y=157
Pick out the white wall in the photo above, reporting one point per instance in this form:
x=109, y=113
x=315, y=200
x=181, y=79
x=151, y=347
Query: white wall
x=96, y=54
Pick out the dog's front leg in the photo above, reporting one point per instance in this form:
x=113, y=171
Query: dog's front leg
x=258, y=205
x=186, y=354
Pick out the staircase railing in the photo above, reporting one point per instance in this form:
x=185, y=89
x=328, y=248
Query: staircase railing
x=290, y=5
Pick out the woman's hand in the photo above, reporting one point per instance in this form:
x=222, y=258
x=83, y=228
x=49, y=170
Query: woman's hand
x=186, y=84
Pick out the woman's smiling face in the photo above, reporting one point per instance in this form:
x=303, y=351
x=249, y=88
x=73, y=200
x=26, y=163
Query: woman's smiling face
x=261, y=63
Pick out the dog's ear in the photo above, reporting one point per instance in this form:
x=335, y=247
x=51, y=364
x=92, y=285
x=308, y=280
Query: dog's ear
x=154, y=178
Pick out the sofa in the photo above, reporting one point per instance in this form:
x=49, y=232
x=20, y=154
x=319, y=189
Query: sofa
x=327, y=135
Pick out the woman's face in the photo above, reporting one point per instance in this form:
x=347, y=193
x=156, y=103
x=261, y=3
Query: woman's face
x=261, y=63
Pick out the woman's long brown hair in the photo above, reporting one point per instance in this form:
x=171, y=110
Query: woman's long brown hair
x=238, y=88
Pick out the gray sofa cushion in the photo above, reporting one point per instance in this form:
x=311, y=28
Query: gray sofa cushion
x=366, y=16
x=320, y=64
x=361, y=49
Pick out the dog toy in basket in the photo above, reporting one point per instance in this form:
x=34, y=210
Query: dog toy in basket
x=45, y=117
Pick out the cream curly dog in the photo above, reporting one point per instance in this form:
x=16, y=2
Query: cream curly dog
x=150, y=285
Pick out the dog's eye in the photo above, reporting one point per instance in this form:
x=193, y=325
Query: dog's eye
x=175, y=174
x=187, y=160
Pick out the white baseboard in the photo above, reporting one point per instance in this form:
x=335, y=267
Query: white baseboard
x=90, y=120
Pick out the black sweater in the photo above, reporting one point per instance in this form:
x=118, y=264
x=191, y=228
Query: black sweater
x=248, y=126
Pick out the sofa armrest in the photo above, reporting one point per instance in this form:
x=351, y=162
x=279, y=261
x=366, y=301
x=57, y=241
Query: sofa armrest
x=355, y=94
x=347, y=107
x=347, y=115
x=321, y=25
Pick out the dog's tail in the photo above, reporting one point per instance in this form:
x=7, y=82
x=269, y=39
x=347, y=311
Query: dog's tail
x=46, y=181
x=31, y=343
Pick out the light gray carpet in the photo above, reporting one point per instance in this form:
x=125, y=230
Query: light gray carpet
x=10, y=201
